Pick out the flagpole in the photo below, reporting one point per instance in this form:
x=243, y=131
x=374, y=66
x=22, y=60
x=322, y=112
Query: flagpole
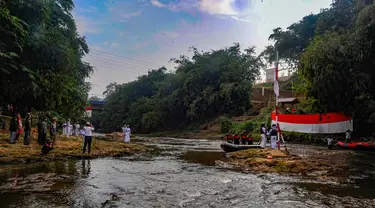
x=277, y=96
x=276, y=102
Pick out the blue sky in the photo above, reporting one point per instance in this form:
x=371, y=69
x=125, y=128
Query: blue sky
x=128, y=37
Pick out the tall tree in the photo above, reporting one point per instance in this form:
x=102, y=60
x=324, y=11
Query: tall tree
x=48, y=72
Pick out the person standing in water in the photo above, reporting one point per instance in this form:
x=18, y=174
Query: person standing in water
x=88, y=137
x=127, y=134
x=263, y=137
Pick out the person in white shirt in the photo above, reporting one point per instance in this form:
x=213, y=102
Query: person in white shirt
x=348, y=137
x=127, y=134
x=65, y=129
x=76, y=130
x=263, y=133
x=88, y=137
x=69, y=129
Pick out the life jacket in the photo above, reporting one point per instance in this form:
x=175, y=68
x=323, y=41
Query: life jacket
x=250, y=138
x=236, y=136
x=230, y=136
x=243, y=137
x=273, y=132
x=261, y=131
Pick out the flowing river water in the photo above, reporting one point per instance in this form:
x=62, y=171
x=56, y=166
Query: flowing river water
x=179, y=173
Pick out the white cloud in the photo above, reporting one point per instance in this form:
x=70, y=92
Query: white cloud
x=130, y=15
x=157, y=3
x=86, y=26
x=225, y=7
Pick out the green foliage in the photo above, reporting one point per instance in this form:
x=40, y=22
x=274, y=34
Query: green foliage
x=203, y=87
x=41, y=57
x=225, y=124
x=247, y=126
x=334, y=51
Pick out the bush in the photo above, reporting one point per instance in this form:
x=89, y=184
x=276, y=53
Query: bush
x=225, y=124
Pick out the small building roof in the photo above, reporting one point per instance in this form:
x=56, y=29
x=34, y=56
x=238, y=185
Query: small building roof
x=290, y=100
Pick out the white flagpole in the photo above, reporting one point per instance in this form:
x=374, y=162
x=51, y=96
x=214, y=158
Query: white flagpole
x=277, y=96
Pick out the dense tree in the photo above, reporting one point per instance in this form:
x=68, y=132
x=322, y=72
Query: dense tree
x=40, y=54
x=203, y=87
x=334, y=51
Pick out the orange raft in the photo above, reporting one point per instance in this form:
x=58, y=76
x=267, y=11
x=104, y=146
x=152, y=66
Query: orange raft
x=370, y=146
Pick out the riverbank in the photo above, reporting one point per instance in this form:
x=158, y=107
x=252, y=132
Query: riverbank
x=318, y=163
x=65, y=148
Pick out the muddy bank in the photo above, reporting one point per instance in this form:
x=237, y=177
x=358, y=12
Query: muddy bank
x=65, y=148
x=318, y=163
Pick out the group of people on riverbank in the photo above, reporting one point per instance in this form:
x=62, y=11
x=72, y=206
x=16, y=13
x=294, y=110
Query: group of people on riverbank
x=70, y=129
x=47, y=129
x=247, y=139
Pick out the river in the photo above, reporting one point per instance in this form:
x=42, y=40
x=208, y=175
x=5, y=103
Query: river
x=179, y=173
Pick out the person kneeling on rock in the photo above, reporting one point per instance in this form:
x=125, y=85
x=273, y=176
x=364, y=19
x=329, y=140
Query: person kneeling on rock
x=47, y=147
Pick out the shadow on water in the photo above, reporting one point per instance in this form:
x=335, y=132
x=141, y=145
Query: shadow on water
x=361, y=182
x=202, y=157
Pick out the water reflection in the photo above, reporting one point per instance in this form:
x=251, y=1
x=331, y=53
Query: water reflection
x=86, y=168
x=186, y=178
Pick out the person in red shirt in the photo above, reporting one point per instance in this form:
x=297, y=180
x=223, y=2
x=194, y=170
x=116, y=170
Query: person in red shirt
x=229, y=138
x=243, y=138
x=236, y=139
x=250, y=139
x=19, y=128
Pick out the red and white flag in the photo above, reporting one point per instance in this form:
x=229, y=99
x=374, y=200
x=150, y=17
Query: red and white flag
x=276, y=80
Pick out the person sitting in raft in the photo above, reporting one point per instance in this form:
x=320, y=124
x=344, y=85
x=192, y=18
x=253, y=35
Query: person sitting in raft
x=348, y=137
x=263, y=137
x=250, y=139
x=229, y=138
x=236, y=139
x=243, y=138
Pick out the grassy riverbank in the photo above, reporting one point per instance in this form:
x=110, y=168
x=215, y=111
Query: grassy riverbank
x=317, y=163
x=65, y=148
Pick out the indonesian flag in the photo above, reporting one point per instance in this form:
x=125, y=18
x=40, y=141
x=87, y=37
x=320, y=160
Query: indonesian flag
x=275, y=80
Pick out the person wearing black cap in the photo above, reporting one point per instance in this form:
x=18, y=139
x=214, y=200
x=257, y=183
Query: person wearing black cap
x=273, y=133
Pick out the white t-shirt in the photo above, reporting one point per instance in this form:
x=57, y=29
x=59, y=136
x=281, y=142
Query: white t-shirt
x=88, y=130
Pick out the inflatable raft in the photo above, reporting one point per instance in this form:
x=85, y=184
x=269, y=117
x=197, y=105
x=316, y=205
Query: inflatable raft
x=228, y=147
x=369, y=146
